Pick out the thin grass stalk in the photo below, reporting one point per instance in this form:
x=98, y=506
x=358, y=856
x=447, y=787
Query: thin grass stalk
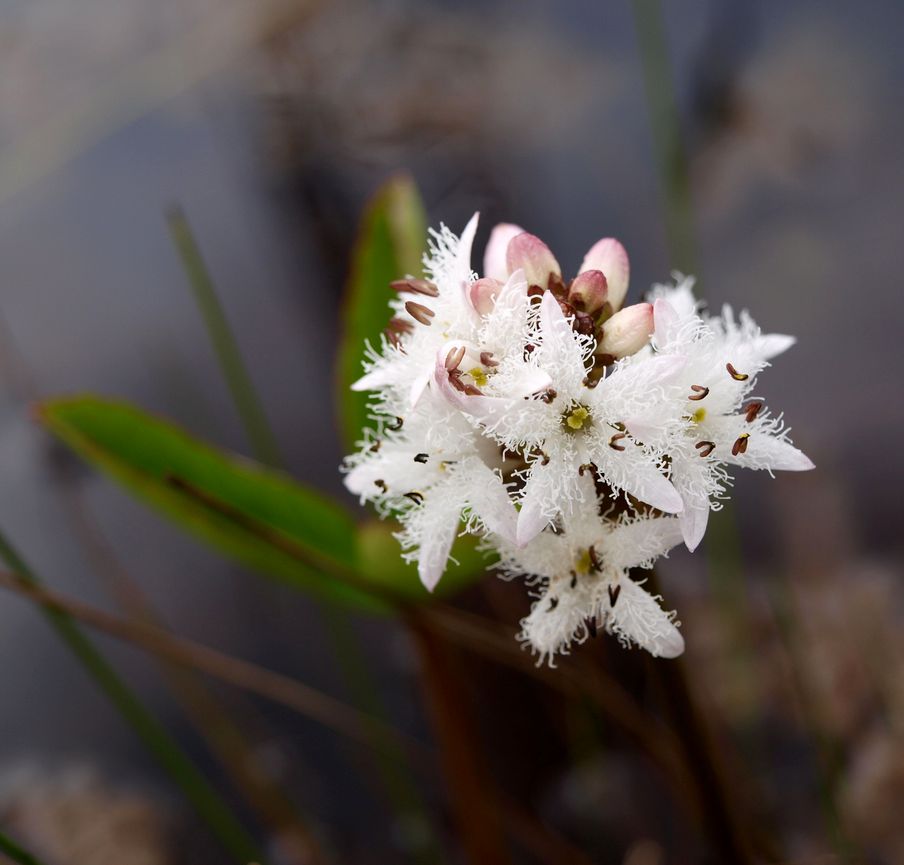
x=352, y=662
x=206, y=800
x=229, y=356
x=19, y=855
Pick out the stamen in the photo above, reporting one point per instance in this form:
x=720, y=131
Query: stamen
x=380, y=484
x=737, y=376
x=418, y=286
x=617, y=438
x=548, y=395
x=553, y=603
x=415, y=496
x=544, y=461
x=752, y=411
x=421, y=458
x=487, y=359
x=614, y=592
x=595, y=563
x=586, y=467
x=396, y=424
x=419, y=312
x=705, y=448
x=740, y=445
x=454, y=357
x=700, y=392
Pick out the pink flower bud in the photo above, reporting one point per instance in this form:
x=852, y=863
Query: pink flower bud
x=530, y=254
x=483, y=294
x=627, y=331
x=589, y=291
x=609, y=256
x=494, y=258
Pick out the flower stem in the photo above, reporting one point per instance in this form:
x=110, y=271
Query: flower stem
x=195, y=786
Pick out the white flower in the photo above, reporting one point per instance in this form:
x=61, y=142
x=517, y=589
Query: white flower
x=578, y=426
x=583, y=583
x=430, y=470
x=579, y=438
x=726, y=425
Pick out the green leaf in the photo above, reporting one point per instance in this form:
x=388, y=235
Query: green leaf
x=391, y=240
x=254, y=514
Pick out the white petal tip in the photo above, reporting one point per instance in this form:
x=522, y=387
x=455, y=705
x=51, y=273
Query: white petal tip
x=671, y=646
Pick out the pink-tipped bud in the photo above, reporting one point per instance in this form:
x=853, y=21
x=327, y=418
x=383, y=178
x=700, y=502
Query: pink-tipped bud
x=494, y=258
x=534, y=257
x=589, y=291
x=609, y=256
x=483, y=294
x=628, y=331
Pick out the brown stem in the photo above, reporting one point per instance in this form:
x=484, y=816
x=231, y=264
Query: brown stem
x=473, y=794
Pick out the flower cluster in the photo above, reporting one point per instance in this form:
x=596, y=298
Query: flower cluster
x=579, y=437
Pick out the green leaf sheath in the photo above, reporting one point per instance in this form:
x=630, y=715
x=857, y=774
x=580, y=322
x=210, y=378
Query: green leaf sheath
x=390, y=243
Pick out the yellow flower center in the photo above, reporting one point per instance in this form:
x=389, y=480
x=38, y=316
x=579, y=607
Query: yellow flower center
x=577, y=418
x=699, y=415
x=479, y=375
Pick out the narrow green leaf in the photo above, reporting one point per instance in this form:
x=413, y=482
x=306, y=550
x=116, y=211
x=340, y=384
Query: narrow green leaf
x=259, y=516
x=170, y=755
x=391, y=240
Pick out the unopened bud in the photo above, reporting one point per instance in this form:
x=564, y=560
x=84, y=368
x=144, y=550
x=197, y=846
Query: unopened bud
x=483, y=294
x=610, y=257
x=494, y=259
x=627, y=332
x=589, y=291
x=534, y=257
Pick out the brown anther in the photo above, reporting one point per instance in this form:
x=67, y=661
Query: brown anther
x=461, y=386
x=586, y=467
x=574, y=580
x=737, y=376
x=375, y=446
x=553, y=603
x=548, y=395
x=595, y=563
x=487, y=359
x=614, y=592
x=544, y=458
x=399, y=325
x=380, y=484
x=418, y=286
x=752, y=411
x=419, y=312
x=415, y=496
x=454, y=357
x=396, y=424
x=740, y=445
x=700, y=392
x=613, y=442
x=705, y=448
x=421, y=458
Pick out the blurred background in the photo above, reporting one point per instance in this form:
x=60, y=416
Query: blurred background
x=271, y=124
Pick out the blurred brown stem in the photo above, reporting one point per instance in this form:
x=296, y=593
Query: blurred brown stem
x=470, y=784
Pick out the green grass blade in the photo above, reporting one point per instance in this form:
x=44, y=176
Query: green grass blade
x=195, y=786
x=238, y=379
